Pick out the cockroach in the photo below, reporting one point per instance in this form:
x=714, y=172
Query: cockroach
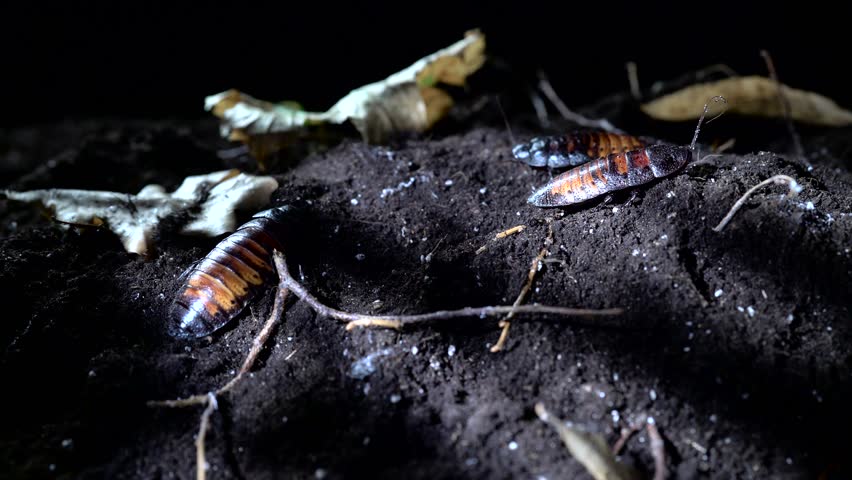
x=616, y=171
x=218, y=287
x=573, y=149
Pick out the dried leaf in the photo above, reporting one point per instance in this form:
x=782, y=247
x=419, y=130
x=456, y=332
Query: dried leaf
x=134, y=218
x=407, y=101
x=588, y=448
x=754, y=95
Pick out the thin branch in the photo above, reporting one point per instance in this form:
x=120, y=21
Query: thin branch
x=540, y=109
x=788, y=115
x=546, y=88
x=795, y=188
x=399, y=322
x=201, y=465
x=633, y=78
x=506, y=322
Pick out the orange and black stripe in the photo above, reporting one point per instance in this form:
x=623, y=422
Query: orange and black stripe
x=603, y=175
x=218, y=287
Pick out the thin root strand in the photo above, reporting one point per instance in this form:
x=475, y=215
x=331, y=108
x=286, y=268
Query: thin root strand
x=795, y=188
x=399, y=322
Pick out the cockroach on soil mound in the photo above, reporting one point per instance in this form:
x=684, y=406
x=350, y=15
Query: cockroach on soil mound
x=219, y=287
x=615, y=171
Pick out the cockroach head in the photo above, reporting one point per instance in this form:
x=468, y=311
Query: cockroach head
x=667, y=159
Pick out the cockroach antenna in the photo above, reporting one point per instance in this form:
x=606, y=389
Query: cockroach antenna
x=717, y=98
x=505, y=119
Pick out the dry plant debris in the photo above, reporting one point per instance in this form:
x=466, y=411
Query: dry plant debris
x=590, y=449
x=535, y=267
x=794, y=186
x=752, y=96
x=502, y=235
x=134, y=218
x=410, y=100
x=399, y=322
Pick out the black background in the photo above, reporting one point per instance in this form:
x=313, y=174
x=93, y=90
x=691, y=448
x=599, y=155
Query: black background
x=140, y=59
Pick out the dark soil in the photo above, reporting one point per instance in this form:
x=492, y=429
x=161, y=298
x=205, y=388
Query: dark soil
x=737, y=343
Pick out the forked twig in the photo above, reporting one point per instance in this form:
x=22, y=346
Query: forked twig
x=506, y=322
x=398, y=322
x=548, y=91
x=795, y=188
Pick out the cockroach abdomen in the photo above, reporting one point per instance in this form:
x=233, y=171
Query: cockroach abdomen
x=216, y=289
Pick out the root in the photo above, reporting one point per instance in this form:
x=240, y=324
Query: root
x=201, y=465
x=795, y=188
x=399, y=322
x=506, y=323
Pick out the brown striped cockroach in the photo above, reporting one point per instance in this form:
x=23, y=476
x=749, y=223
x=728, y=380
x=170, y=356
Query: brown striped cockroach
x=616, y=171
x=572, y=149
x=218, y=287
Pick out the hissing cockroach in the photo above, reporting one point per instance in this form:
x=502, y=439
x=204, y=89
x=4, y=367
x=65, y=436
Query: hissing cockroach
x=219, y=286
x=576, y=148
x=616, y=171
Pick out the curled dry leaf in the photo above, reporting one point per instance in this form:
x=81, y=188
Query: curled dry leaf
x=588, y=448
x=407, y=101
x=754, y=95
x=134, y=218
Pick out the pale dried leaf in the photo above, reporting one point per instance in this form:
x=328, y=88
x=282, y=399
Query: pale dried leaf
x=755, y=96
x=134, y=218
x=588, y=448
x=406, y=101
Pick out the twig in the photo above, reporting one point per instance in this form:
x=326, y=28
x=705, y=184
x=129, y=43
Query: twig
x=788, y=116
x=201, y=465
x=795, y=188
x=506, y=323
x=658, y=450
x=260, y=340
x=633, y=78
x=540, y=109
x=502, y=235
x=550, y=93
x=727, y=145
x=399, y=322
